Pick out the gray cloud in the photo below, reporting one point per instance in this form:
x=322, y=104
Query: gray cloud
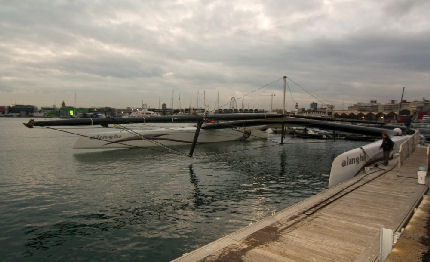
x=399, y=8
x=340, y=51
x=4, y=87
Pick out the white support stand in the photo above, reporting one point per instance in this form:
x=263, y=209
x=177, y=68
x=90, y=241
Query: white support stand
x=385, y=243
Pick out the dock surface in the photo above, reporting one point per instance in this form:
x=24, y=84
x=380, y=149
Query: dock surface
x=342, y=223
x=414, y=243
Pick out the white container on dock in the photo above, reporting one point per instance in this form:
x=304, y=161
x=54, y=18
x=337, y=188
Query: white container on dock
x=422, y=173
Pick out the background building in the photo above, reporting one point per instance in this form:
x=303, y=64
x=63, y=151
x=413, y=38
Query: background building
x=22, y=110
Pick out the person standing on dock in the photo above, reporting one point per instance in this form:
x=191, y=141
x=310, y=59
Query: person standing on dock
x=408, y=122
x=387, y=145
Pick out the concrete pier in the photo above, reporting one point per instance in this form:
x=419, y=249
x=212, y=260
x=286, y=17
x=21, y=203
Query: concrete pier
x=414, y=243
x=339, y=224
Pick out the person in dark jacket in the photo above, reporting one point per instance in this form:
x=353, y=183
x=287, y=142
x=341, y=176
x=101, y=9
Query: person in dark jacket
x=387, y=145
x=408, y=122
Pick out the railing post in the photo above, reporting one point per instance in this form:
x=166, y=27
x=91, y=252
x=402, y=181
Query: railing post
x=385, y=243
x=428, y=159
x=401, y=155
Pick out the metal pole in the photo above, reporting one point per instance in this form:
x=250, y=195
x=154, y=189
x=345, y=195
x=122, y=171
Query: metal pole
x=218, y=101
x=172, y=99
x=285, y=90
x=204, y=100
x=283, y=110
x=243, y=99
x=196, y=136
x=271, y=102
x=400, y=105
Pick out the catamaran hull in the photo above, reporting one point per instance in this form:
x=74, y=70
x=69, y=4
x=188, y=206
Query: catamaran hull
x=166, y=137
x=347, y=165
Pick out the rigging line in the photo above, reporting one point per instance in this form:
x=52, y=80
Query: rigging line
x=243, y=132
x=253, y=149
x=87, y=128
x=262, y=87
x=291, y=93
x=141, y=126
x=160, y=144
x=216, y=154
x=130, y=146
x=105, y=140
x=130, y=131
x=266, y=138
x=250, y=134
x=314, y=96
x=253, y=91
x=90, y=137
x=274, y=142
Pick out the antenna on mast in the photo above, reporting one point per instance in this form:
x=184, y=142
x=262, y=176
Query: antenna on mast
x=204, y=99
x=285, y=90
x=173, y=91
x=401, y=101
x=271, y=101
x=75, y=99
x=218, y=101
x=243, y=99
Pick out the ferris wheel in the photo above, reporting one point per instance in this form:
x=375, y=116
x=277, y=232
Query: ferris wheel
x=233, y=103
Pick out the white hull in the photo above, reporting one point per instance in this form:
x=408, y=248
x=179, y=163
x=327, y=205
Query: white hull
x=347, y=165
x=164, y=136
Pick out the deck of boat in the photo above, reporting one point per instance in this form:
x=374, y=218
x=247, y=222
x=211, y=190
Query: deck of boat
x=339, y=224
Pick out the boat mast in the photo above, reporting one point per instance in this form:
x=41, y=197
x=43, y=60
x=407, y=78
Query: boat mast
x=285, y=90
x=400, y=105
x=204, y=100
x=243, y=99
x=173, y=91
x=218, y=101
x=283, y=110
x=271, y=102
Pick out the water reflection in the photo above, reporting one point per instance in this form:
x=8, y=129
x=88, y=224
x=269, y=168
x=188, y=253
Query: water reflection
x=283, y=157
x=134, y=204
x=197, y=194
x=119, y=155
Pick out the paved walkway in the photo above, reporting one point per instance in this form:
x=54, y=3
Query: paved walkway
x=339, y=224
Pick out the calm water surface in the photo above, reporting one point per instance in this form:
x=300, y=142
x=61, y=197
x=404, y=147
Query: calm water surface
x=143, y=204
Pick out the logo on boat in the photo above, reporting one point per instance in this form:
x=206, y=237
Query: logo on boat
x=354, y=160
x=105, y=137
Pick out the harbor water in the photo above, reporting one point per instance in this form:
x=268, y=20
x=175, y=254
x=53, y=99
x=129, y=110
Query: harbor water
x=57, y=203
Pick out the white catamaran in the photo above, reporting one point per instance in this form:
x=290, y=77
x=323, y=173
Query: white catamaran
x=169, y=136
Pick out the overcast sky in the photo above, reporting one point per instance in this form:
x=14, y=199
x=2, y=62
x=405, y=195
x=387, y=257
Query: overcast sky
x=120, y=53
